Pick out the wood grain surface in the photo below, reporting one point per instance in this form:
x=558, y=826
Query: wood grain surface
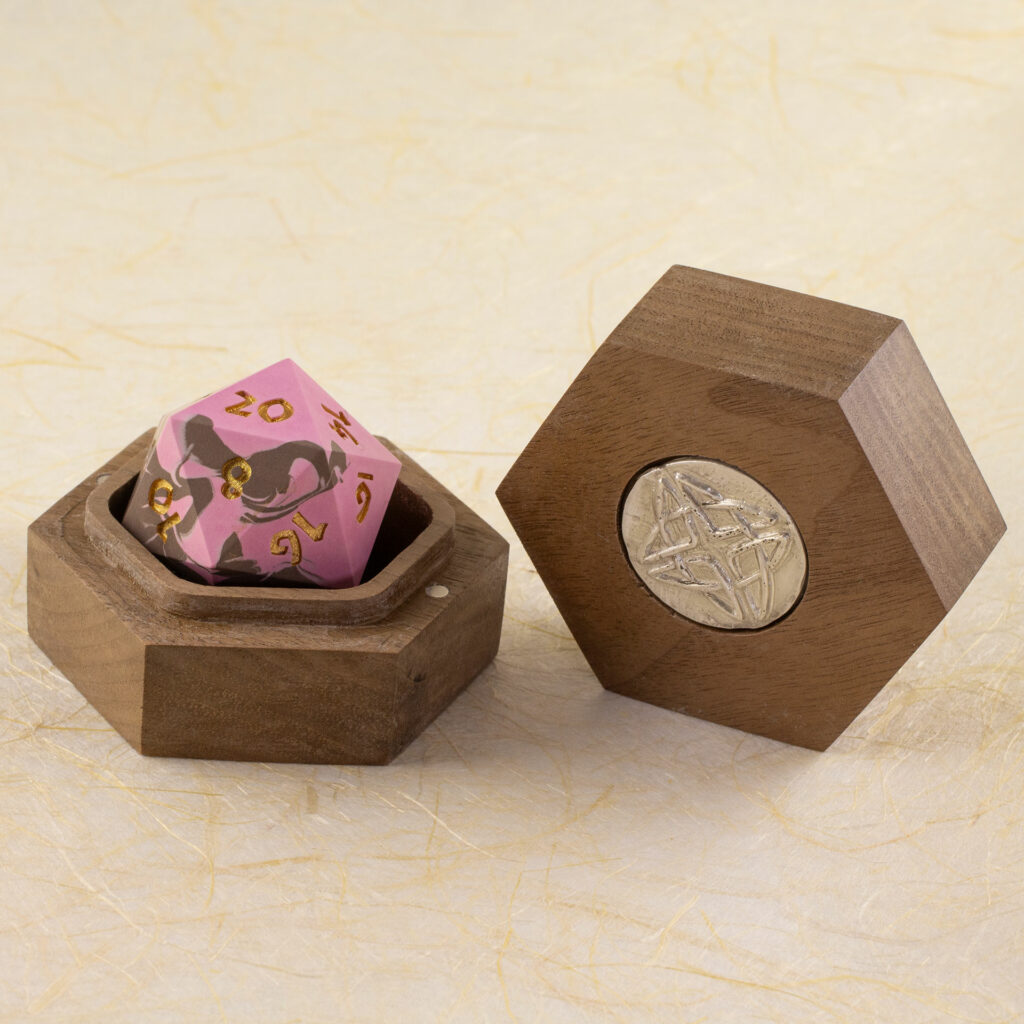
x=830, y=408
x=264, y=687
x=441, y=210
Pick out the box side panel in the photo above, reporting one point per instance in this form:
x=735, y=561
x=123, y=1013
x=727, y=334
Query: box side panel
x=924, y=465
x=338, y=704
x=458, y=645
x=83, y=637
x=248, y=703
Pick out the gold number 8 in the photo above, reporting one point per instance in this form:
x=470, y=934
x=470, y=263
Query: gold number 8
x=232, y=486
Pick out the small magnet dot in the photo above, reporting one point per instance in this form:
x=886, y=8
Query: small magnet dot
x=437, y=590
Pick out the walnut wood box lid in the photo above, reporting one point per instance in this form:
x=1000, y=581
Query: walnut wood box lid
x=828, y=408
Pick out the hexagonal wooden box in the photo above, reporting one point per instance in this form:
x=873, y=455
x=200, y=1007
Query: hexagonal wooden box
x=267, y=673
x=830, y=409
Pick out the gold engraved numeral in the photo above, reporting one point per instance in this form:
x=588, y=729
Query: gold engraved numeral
x=314, y=533
x=339, y=418
x=239, y=408
x=294, y=545
x=286, y=410
x=233, y=484
x=162, y=505
x=337, y=415
x=165, y=524
x=363, y=496
x=277, y=546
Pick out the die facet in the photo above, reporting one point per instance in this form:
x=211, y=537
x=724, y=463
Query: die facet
x=268, y=481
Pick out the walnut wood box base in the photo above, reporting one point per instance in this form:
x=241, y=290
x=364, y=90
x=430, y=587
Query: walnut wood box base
x=267, y=673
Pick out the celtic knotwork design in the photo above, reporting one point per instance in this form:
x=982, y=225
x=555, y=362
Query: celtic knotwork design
x=725, y=548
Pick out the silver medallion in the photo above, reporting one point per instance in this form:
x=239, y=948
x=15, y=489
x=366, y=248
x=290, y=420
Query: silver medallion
x=713, y=544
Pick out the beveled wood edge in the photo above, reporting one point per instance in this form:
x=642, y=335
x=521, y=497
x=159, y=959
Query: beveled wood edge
x=360, y=605
x=894, y=404
x=783, y=368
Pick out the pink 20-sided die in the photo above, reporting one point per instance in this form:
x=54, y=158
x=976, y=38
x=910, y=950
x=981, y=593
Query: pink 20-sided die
x=269, y=481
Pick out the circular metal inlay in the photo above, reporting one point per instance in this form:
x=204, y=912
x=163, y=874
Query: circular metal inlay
x=713, y=544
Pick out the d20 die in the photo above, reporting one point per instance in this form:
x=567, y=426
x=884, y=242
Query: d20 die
x=777, y=505
x=266, y=481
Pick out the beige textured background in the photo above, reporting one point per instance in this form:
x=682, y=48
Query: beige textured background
x=439, y=210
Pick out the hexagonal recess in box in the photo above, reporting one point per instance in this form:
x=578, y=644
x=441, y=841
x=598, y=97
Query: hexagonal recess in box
x=346, y=676
x=724, y=431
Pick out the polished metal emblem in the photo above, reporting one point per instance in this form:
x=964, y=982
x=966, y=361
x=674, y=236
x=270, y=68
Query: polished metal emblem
x=713, y=544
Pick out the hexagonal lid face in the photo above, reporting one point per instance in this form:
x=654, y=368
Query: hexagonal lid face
x=267, y=480
x=777, y=506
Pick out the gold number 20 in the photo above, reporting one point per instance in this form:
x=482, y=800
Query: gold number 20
x=239, y=408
